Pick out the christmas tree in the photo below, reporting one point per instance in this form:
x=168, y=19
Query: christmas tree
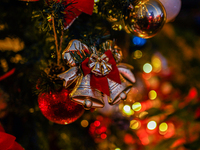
x=61, y=62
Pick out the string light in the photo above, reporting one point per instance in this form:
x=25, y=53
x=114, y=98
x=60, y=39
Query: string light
x=103, y=135
x=147, y=68
x=137, y=54
x=134, y=124
x=127, y=110
x=152, y=95
x=138, y=41
x=137, y=106
x=163, y=127
x=84, y=123
x=151, y=125
x=157, y=64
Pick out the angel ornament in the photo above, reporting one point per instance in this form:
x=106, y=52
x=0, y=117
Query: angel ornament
x=99, y=76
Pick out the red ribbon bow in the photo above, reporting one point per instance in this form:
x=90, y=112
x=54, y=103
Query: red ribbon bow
x=101, y=82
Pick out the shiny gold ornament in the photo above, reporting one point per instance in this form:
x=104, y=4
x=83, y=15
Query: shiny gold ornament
x=83, y=93
x=145, y=18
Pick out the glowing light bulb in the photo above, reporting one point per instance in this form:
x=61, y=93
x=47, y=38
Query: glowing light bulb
x=134, y=124
x=157, y=64
x=136, y=106
x=151, y=125
x=152, y=95
x=103, y=135
x=137, y=54
x=147, y=68
x=127, y=110
x=84, y=123
x=163, y=127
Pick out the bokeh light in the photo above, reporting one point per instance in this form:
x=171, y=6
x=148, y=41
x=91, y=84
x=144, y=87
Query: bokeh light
x=103, y=135
x=147, y=68
x=84, y=123
x=156, y=63
x=134, y=124
x=152, y=95
x=137, y=106
x=127, y=110
x=163, y=127
x=128, y=139
x=117, y=149
x=137, y=54
x=139, y=41
x=97, y=123
x=151, y=125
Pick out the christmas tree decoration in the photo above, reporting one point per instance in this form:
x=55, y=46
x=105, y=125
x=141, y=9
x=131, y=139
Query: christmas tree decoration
x=145, y=18
x=70, y=9
x=99, y=129
x=7, y=141
x=172, y=8
x=75, y=8
x=58, y=108
x=99, y=77
x=9, y=73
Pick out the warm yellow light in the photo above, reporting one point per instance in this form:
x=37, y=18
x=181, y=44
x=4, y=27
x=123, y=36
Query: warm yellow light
x=127, y=110
x=151, y=125
x=152, y=95
x=137, y=106
x=84, y=123
x=147, y=68
x=31, y=110
x=120, y=27
x=143, y=114
x=134, y=124
x=96, y=1
x=137, y=54
x=157, y=64
x=117, y=149
x=163, y=127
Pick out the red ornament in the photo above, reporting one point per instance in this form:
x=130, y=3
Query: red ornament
x=58, y=107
